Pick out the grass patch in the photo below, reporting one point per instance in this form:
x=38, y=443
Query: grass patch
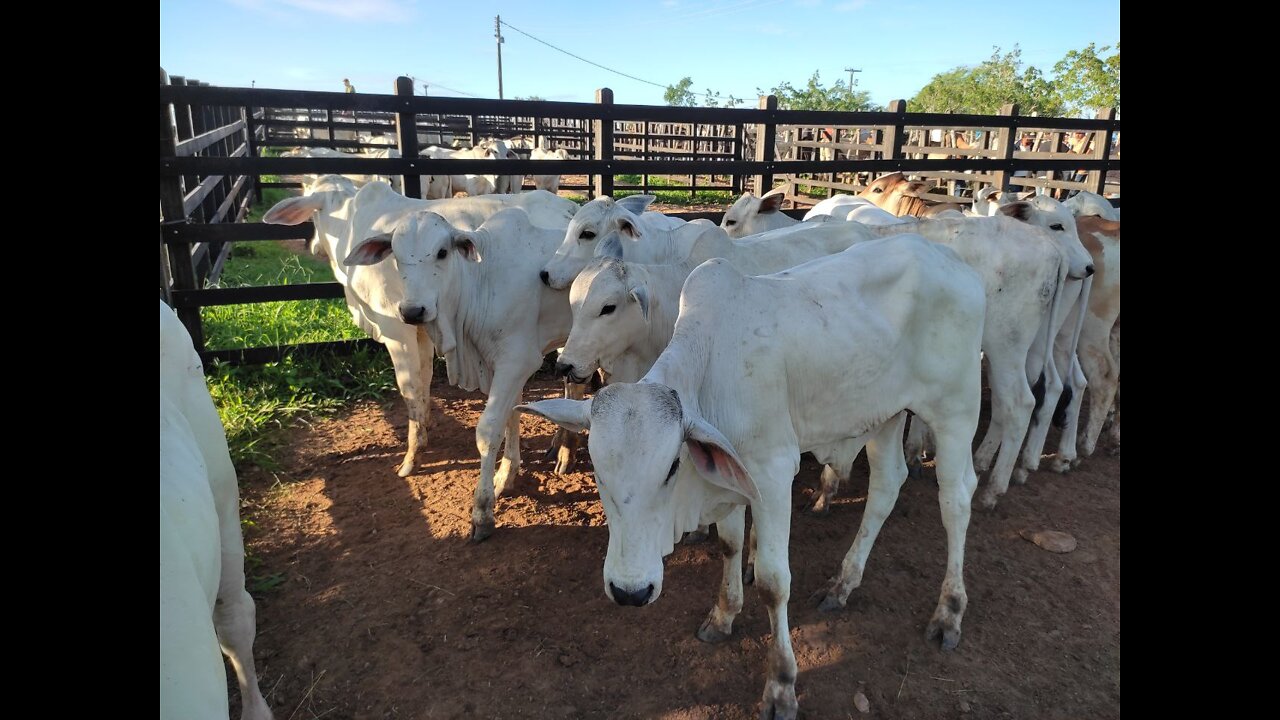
x=678, y=194
x=255, y=402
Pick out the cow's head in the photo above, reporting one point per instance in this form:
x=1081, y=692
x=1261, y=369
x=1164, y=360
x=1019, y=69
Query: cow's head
x=428, y=251
x=610, y=304
x=887, y=191
x=1043, y=211
x=750, y=215
x=592, y=222
x=324, y=201
x=656, y=461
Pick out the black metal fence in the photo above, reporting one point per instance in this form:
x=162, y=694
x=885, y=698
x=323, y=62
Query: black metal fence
x=209, y=172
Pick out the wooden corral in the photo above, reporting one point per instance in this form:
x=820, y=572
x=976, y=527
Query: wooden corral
x=210, y=170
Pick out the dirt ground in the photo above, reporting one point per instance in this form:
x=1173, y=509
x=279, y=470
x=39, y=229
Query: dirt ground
x=384, y=611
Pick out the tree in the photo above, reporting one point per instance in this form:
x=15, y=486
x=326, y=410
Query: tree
x=814, y=96
x=984, y=88
x=1086, y=81
x=681, y=96
x=531, y=97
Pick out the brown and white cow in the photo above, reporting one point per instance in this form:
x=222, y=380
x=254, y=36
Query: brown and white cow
x=895, y=193
x=1098, y=358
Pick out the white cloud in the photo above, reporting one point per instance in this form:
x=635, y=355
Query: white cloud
x=851, y=5
x=374, y=11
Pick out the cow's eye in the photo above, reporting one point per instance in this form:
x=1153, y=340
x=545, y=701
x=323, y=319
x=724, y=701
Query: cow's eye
x=877, y=189
x=1056, y=226
x=587, y=235
x=730, y=223
x=608, y=310
x=442, y=254
x=675, y=465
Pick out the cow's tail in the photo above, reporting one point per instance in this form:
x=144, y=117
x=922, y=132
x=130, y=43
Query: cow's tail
x=1055, y=302
x=1082, y=306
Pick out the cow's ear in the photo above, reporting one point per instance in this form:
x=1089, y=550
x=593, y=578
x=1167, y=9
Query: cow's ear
x=464, y=244
x=630, y=229
x=572, y=415
x=716, y=460
x=1027, y=195
x=294, y=210
x=916, y=188
x=640, y=294
x=772, y=202
x=370, y=251
x=1020, y=210
x=636, y=203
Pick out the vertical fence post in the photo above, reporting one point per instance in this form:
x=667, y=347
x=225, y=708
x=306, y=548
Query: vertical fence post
x=739, y=153
x=644, y=179
x=766, y=137
x=1008, y=144
x=604, y=142
x=407, y=130
x=333, y=132
x=184, y=276
x=251, y=137
x=1096, y=181
x=896, y=135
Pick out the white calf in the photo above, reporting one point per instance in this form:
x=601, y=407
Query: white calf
x=203, y=602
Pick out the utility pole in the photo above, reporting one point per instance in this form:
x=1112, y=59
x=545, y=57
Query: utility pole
x=851, y=71
x=497, y=33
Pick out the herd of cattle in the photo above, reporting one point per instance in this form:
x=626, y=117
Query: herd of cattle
x=726, y=352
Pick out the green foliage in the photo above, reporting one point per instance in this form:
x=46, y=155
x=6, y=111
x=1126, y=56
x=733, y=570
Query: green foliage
x=531, y=97
x=984, y=88
x=1086, y=81
x=815, y=96
x=680, y=95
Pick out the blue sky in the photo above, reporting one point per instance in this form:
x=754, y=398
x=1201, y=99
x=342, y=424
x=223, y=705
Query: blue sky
x=731, y=46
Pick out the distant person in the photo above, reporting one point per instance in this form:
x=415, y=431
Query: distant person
x=1027, y=144
x=1081, y=144
x=348, y=87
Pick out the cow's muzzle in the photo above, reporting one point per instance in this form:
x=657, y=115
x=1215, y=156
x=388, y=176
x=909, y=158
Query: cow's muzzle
x=636, y=598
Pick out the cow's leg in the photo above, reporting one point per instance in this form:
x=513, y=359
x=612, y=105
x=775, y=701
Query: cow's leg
x=509, y=468
x=1011, y=406
x=508, y=379
x=567, y=452
x=917, y=442
x=1067, y=457
x=719, y=623
x=402, y=344
x=749, y=575
x=234, y=616
x=829, y=486
x=1114, y=433
x=888, y=472
x=427, y=361
x=986, y=451
x=956, y=483
x=772, y=518
x=1038, y=430
x=1100, y=368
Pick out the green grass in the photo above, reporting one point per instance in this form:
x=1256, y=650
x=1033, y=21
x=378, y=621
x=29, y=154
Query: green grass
x=256, y=402
x=674, y=196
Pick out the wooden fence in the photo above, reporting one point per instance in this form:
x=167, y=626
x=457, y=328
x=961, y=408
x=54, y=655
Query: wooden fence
x=208, y=175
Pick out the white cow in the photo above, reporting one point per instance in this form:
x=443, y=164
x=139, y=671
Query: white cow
x=762, y=369
x=359, y=180
x=502, y=150
x=1066, y=387
x=477, y=295
x=852, y=208
x=1087, y=203
x=750, y=215
x=1099, y=360
x=203, y=601
x=550, y=183
x=374, y=294
x=664, y=238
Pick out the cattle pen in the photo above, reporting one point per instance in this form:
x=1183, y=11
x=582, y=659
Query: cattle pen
x=216, y=144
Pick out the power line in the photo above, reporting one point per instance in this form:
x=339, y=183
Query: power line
x=432, y=83
x=579, y=57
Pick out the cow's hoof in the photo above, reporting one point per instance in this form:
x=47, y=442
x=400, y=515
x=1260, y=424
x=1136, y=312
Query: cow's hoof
x=944, y=632
x=709, y=633
x=481, y=531
x=406, y=468
x=830, y=603
x=1020, y=476
x=1114, y=451
x=820, y=508
x=987, y=500
x=565, y=462
x=749, y=575
x=1060, y=465
x=779, y=701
